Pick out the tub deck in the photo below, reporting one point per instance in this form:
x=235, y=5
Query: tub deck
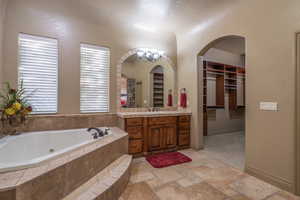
x=65, y=172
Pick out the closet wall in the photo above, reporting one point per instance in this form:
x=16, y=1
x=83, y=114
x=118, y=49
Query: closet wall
x=224, y=107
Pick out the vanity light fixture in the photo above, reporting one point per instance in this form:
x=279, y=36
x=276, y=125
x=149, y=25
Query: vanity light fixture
x=151, y=55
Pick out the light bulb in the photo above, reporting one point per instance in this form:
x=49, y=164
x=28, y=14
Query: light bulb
x=148, y=54
x=156, y=56
x=140, y=53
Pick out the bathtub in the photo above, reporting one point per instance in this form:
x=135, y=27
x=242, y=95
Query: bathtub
x=31, y=149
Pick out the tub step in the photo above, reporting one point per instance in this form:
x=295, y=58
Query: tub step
x=108, y=184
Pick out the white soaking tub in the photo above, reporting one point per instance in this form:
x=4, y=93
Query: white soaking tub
x=30, y=149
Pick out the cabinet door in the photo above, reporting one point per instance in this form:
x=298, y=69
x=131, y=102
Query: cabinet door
x=170, y=136
x=156, y=138
x=184, y=140
x=135, y=132
x=135, y=146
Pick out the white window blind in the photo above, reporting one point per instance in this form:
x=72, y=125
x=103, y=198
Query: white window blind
x=38, y=69
x=94, y=79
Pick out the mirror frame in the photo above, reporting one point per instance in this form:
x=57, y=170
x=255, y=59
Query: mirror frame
x=119, y=75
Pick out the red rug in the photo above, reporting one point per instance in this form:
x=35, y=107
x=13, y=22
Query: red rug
x=167, y=159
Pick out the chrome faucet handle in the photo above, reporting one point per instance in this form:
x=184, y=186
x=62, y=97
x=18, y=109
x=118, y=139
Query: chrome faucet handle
x=101, y=133
x=95, y=135
x=106, y=131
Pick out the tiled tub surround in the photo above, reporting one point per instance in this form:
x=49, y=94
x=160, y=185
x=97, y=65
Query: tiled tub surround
x=67, y=121
x=31, y=149
x=59, y=177
x=109, y=184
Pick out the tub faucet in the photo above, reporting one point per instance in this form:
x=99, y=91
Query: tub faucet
x=99, y=132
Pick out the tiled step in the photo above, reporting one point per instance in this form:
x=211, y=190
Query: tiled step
x=108, y=184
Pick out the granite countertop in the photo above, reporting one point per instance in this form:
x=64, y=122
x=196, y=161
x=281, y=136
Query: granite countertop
x=152, y=114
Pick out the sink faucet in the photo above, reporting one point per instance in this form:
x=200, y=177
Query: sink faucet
x=97, y=134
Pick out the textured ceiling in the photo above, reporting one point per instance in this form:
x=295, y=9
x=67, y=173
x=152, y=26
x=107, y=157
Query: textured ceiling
x=157, y=15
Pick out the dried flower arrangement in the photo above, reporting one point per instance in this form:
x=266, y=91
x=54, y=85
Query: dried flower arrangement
x=14, y=108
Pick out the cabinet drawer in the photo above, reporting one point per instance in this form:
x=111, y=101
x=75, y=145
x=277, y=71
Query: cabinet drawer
x=183, y=132
x=162, y=120
x=184, y=125
x=184, y=140
x=135, y=146
x=134, y=122
x=135, y=132
x=185, y=118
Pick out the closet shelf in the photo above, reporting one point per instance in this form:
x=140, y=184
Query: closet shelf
x=215, y=73
x=231, y=79
x=158, y=90
x=230, y=85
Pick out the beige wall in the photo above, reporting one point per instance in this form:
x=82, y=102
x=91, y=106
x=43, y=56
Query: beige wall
x=234, y=44
x=297, y=114
x=269, y=27
x=71, y=26
x=223, y=123
x=225, y=57
x=2, y=17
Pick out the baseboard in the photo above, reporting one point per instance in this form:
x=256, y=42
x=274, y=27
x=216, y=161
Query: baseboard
x=276, y=181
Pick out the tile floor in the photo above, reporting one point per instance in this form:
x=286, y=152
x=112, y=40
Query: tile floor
x=204, y=178
x=229, y=148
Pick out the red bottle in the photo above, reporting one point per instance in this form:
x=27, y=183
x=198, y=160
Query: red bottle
x=183, y=98
x=170, y=99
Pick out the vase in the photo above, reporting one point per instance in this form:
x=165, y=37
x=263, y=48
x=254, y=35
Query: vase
x=11, y=129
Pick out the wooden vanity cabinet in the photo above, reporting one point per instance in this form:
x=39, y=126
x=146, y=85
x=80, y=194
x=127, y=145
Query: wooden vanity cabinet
x=162, y=137
x=184, y=125
x=157, y=134
x=155, y=138
x=162, y=133
x=135, y=129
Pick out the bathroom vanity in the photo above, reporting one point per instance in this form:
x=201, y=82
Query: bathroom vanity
x=156, y=132
x=146, y=85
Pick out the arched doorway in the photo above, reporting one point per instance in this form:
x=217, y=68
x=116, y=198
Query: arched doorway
x=222, y=99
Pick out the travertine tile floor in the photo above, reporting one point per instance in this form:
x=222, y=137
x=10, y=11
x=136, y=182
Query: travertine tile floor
x=229, y=148
x=204, y=178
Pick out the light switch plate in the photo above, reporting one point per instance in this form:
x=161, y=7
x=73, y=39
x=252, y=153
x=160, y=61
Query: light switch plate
x=270, y=106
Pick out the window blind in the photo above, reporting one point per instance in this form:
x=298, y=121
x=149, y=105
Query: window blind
x=94, y=78
x=38, y=69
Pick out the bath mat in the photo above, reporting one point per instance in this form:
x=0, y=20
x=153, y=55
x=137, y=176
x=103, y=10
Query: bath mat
x=167, y=159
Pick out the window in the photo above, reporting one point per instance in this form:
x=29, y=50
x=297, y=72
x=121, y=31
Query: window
x=38, y=69
x=94, y=79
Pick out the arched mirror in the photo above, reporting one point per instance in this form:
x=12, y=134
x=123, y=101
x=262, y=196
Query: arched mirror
x=147, y=80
